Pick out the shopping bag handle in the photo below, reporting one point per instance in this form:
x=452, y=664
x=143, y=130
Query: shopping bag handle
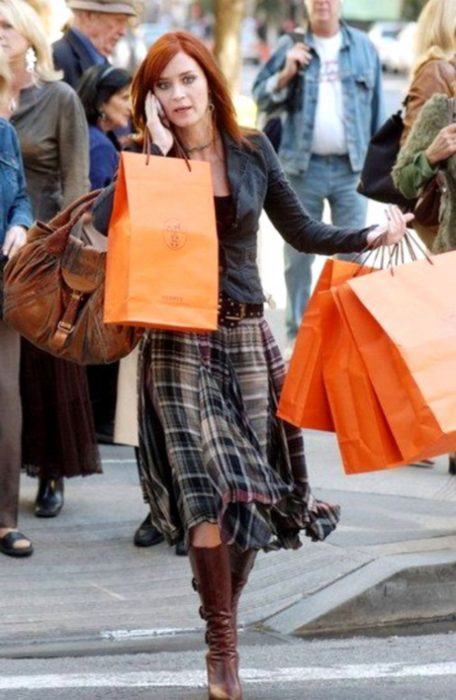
x=391, y=256
x=180, y=151
x=412, y=246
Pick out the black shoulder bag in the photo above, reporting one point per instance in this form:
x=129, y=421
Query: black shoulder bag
x=376, y=181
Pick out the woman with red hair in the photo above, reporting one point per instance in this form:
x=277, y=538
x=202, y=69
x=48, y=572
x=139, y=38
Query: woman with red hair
x=218, y=465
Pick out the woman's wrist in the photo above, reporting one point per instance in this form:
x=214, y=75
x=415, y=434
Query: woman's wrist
x=376, y=236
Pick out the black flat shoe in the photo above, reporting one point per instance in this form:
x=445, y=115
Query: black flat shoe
x=180, y=549
x=147, y=535
x=49, y=499
x=452, y=464
x=7, y=544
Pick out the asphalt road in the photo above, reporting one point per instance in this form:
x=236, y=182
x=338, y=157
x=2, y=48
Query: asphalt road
x=418, y=668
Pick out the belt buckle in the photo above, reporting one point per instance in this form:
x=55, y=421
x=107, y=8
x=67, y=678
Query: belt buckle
x=242, y=306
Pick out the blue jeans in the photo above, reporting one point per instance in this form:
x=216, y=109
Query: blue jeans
x=328, y=178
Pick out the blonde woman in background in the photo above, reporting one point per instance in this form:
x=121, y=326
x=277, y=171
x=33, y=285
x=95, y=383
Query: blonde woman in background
x=434, y=69
x=58, y=432
x=428, y=141
x=15, y=218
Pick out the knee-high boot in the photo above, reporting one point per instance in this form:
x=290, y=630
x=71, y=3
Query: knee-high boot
x=241, y=564
x=212, y=572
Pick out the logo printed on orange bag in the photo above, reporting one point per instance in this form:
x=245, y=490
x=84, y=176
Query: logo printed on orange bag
x=175, y=238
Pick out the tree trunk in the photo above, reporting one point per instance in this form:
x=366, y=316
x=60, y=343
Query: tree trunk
x=228, y=18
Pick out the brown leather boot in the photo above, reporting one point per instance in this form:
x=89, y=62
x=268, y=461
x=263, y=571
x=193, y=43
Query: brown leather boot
x=241, y=564
x=211, y=569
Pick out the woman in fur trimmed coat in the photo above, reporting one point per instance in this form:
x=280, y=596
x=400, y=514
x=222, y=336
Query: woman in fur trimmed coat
x=430, y=146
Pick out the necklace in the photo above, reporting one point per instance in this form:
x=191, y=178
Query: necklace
x=196, y=149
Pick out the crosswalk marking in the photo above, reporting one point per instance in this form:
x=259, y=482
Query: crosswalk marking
x=197, y=679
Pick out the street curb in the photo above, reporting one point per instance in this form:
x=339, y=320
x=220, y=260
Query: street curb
x=104, y=645
x=395, y=590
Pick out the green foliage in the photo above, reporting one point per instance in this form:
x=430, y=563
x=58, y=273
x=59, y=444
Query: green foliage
x=412, y=8
x=272, y=8
x=206, y=5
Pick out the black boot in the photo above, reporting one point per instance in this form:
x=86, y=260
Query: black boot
x=147, y=535
x=211, y=569
x=452, y=464
x=49, y=499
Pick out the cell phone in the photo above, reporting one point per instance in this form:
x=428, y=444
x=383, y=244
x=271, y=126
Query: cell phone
x=297, y=35
x=160, y=110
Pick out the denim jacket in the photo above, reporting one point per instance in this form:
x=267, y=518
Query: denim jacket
x=15, y=205
x=257, y=182
x=360, y=71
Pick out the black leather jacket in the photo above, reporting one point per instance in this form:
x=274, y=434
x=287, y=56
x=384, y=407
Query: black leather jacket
x=258, y=182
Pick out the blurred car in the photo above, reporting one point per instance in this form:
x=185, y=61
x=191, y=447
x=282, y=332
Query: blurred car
x=403, y=56
x=250, y=41
x=384, y=36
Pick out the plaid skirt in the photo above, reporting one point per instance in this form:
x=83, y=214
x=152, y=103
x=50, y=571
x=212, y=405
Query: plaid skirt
x=211, y=446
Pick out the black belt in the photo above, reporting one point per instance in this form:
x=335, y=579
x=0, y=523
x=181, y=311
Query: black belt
x=232, y=312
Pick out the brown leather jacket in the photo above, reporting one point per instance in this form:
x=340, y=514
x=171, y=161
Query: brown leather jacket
x=434, y=76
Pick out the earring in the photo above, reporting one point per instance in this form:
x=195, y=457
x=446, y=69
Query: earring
x=103, y=116
x=30, y=60
x=211, y=106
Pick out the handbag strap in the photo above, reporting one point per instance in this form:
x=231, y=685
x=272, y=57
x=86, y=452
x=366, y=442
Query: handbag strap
x=452, y=109
x=62, y=224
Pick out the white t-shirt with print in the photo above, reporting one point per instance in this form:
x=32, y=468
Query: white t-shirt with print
x=329, y=131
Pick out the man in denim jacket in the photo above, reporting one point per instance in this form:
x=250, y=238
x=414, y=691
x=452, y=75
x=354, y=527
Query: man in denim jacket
x=328, y=81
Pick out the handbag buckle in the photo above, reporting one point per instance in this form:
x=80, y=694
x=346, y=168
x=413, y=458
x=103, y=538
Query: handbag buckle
x=65, y=327
x=72, y=309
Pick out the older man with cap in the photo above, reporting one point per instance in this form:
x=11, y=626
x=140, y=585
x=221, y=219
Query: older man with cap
x=95, y=29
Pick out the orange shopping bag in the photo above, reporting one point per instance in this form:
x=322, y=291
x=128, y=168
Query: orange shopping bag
x=303, y=401
x=404, y=325
x=162, y=260
x=364, y=436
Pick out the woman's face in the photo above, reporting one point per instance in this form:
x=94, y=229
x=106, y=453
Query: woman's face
x=118, y=108
x=182, y=90
x=13, y=44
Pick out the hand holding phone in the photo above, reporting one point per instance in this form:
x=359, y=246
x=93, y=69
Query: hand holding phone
x=157, y=123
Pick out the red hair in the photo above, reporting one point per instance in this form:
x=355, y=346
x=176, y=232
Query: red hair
x=160, y=54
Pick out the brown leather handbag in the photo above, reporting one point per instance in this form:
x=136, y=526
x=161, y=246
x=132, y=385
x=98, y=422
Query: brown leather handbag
x=54, y=290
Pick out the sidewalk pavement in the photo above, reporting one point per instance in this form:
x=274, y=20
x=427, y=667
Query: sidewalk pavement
x=391, y=561
x=87, y=588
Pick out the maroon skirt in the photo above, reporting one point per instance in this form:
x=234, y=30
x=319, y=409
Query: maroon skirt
x=58, y=435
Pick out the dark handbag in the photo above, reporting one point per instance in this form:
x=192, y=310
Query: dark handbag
x=428, y=206
x=376, y=181
x=273, y=130
x=273, y=120
x=54, y=290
